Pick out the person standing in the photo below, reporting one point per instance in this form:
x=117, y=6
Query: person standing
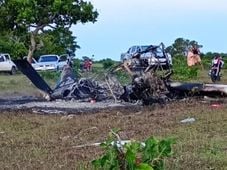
x=193, y=57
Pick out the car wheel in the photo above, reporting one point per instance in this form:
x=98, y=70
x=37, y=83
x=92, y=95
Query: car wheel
x=13, y=70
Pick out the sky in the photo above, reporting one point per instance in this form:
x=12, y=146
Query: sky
x=124, y=23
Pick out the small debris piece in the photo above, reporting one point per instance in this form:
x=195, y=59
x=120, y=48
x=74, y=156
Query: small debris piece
x=188, y=120
x=215, y=105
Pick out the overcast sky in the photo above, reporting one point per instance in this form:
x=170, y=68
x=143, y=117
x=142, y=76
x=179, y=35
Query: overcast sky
x=124, y=23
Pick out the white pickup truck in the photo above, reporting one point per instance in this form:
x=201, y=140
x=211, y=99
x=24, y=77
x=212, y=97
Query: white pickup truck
x=6, y=64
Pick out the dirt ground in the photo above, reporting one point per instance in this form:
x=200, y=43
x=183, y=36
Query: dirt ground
x=31, y=140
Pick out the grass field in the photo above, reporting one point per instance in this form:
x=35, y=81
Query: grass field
x=32, y=141
x=15, y=84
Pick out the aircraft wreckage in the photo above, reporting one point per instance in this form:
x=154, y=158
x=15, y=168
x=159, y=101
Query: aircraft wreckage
x=146, y=85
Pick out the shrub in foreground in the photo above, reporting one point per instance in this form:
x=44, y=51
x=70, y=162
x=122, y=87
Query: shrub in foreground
x=134, y=155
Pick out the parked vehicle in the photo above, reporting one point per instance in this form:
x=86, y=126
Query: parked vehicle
x=6, y=64
x=34, y=62
x=132, y=51
x=62, y=61
x=50, y=62
x=150, y=55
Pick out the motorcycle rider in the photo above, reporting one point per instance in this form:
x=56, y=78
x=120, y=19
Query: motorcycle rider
x=217, y=64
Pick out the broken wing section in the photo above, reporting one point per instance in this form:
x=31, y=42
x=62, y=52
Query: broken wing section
x=25, y=67
x=198, y=89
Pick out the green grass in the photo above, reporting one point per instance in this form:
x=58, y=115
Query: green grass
x=202, y=145
x=30, y=141
x=15, y=84
x=97, y=65
x=20, y=84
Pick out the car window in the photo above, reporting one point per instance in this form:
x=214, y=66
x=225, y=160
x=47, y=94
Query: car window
x=144, y=47
x=33, y=61
x=49, y=58
x=63, y=58
x=138, y=49
x=159, y=52
x=7, y=57
x=133, y=50
x=130, y=50
x=1, y=59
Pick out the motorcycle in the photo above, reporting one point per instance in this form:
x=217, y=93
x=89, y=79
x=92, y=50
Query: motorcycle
x=215, y=74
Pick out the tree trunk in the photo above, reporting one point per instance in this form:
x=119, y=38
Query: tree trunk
x=32, y=47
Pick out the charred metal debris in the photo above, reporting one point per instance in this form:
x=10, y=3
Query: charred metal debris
x=150, y=83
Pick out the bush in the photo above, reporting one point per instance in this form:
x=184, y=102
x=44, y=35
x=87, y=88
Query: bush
x=107, y=63
x=135, y=155
x=181, y=71
x=206, y=60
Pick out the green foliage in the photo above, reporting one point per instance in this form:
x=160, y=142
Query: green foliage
x=206, y=60
x=181, y=45
x=51, y=18
x=208, y=57
x=56, y=42
x=182, y=71
x=134, y=155
x=36, y=13
x=107, y=63
x=13, y=45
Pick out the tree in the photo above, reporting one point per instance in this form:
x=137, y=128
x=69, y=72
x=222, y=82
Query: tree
x=37, y=16
x=56, y=41
x=181, y=46
x=10, y=43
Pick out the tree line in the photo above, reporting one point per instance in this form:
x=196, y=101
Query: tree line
x=181, y=45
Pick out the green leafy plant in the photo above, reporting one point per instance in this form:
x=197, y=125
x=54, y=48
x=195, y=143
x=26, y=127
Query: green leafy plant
x=182, y=71
x=134, y=155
